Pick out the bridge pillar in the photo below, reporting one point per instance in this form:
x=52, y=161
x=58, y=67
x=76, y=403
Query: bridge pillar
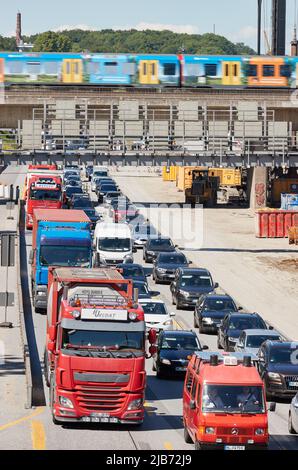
x=257, y=187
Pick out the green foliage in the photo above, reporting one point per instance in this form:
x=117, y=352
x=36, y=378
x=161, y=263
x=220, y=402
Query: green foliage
x=132, y=41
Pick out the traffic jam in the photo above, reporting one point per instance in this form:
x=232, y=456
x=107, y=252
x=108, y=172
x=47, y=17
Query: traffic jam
x=96, y=265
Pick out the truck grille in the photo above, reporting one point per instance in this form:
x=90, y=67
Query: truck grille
x=289, y=379
x=223, y=431
x=99, y=399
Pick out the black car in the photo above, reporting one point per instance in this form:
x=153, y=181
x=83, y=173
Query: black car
x=156, y=245
x=68, y=180
x=232, y=326
x=278, y=368
x=70, y=191
x=189, y=285
x=133, y=271
x=173, y=352
x=103, y=189
x=211, y=310
x=166, y=264
x=80, y=201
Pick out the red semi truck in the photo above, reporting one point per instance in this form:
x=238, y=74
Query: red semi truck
x=95, y=347
x=44, y=192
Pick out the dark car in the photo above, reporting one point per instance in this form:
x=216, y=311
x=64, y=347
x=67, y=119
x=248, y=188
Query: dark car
x=143, y=290
x=133, y=271
x=80, y=201
x=156, y=245
x=70, y=191
x=232, y=326
x=92, y=214
x=278, y=368
x=104, y=189
x=189, y=285
x=166, y=264
x=173, y=352
x=69, y=179
x=211, y=310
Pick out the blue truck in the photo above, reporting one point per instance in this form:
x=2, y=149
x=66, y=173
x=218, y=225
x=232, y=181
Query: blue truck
x=60, y=237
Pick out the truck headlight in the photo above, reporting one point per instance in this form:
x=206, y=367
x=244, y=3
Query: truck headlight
x=135, y=404
x=41, y=293
x=132, y=316
x=259, y=432
x=166, y=361
x=65, y=402
x=210, y=430
x=168, y=322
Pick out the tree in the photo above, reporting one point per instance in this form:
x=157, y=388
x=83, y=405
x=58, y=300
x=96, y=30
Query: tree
x=52, y=42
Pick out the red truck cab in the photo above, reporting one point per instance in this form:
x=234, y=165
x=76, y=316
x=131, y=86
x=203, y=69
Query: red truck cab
x=44, y=192
x=95, y=347
x=224, y=403
x=43, y=167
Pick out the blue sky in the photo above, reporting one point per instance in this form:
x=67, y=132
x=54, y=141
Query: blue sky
x=235, y=19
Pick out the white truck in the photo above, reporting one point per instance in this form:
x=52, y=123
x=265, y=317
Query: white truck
x=113, y=244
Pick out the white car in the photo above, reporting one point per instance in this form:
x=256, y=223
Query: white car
x=157, y=315
x=293, y=416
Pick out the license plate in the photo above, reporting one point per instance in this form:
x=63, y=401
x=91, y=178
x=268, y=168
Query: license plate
x=293, y=384
x=181, y=369
x=234, y=447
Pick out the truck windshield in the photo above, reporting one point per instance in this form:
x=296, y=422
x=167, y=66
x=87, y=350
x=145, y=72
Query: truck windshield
x=114, y=244
x=233, y=399
x=111, y=340
x=44, y=195
x=56, y=255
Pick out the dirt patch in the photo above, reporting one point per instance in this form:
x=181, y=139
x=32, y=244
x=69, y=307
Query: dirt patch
x=287, y=264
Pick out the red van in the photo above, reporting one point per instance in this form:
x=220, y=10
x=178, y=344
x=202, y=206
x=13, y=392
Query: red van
x=224, y=404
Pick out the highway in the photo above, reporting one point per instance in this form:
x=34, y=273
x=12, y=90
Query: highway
x=163, y=427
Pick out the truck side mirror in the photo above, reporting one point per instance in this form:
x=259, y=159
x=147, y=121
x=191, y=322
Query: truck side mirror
x=192, y=405
x=272, y=407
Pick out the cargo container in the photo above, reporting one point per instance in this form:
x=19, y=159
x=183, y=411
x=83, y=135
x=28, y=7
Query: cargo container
x=282, y=185
x=293, y=235
x=169, y=173
x=274, y=223
x=289, y=202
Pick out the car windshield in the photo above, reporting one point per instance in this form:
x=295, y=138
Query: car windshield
x=160, y=244
x=232, y=399
x=154, y=308
x=82, y=203
x=283, y=355
x=73, y=190
x=188, y=342
x=132, y=271
x=256, y=341
x=111, y=340
x=114, y=244
x=56, y=255
x=100, y=173
x=220, y=304
x=144, y=230
x=240, y=323
x=105, y=188
x=74, y=183
x=44, y=194
x=196, y=280
x=174, y=258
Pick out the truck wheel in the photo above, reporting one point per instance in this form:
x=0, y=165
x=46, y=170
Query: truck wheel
x=290, y=425
x=187, y=437
x=201, y=329
x=159, y=375
x=197, y=446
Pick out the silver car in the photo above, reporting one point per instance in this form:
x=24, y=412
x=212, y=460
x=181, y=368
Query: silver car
x=250, y=341
x=141, y=233
x=293, y=416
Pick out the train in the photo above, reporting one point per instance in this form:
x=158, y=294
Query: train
x=148, y=70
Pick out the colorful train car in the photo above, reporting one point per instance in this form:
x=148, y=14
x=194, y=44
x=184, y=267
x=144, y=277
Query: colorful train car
x=149, y=70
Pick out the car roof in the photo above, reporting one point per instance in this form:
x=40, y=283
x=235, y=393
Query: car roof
x=244, y=315
x=193, y=270
x=282, y=344
x=210, y=295
x=260, y=332
x=230, y=375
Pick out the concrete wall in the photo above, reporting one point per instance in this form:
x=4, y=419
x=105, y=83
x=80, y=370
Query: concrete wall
x=257, y=187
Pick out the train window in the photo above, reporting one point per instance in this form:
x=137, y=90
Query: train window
x=268, y=70
x=50, y=68
x=33, y=67
x=211, y=70
x=111, y=68
x=252, y=70
x=67, y=68
x=76, y=68
x=235, y=70
x=144, y=68
x=285, y=71
x=153, y=69
x=129, y=68
x=169, y=69
x=227, y=70
x=15, y=67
